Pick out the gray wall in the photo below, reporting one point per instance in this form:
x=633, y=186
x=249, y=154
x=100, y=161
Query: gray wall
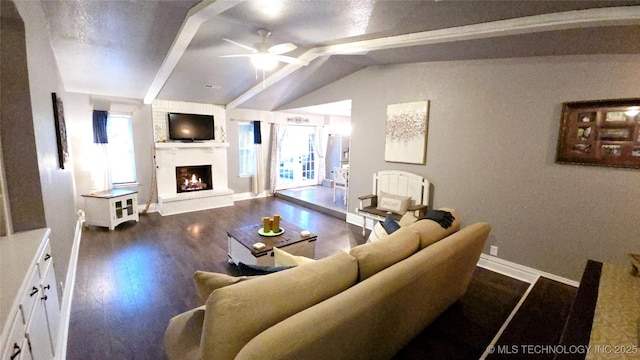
x=493, y=130
x=16, y=121
x=56, y=184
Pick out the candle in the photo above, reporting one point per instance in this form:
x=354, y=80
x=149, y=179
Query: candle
x=276, y=223
x=266, y=222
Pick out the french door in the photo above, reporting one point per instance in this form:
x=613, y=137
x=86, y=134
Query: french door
x=297, y=157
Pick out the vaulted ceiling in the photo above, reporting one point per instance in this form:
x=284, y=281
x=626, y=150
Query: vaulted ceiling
x=171, y=49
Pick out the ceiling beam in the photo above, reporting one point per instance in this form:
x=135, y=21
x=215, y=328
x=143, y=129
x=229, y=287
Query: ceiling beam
x=524, y=25
x=615, y=16
x=198, y=14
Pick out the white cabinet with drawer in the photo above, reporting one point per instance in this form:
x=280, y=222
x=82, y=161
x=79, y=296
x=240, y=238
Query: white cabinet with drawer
x=29, y=305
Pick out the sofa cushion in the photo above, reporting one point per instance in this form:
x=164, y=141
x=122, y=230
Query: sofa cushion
x=394, y=203
x=236, y=314
x=182, y=338
x=206, y=282
x=431, y=232
x=376, y=256
x=283, y=258
x=407, y=219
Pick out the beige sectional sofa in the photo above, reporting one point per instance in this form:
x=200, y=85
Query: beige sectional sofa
x=366, y=304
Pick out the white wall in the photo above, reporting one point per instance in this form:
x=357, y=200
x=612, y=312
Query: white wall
x=493, y=129
x=79, y=114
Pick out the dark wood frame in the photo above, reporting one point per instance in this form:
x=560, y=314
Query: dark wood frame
x=61, y=130
x=589, y=137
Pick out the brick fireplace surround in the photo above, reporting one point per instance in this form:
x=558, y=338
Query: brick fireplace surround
x=170, y=155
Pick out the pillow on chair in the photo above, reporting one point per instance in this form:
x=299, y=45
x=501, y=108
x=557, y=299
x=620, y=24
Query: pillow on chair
x=394, y=203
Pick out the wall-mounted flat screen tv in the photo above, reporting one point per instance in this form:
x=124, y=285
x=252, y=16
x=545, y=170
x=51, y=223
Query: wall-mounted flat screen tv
x=190, y=127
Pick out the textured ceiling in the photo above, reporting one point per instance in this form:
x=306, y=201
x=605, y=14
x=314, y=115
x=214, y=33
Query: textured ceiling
x=116, y=48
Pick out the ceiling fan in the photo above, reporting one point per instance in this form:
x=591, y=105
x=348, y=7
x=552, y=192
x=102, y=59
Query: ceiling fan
x=266, y=58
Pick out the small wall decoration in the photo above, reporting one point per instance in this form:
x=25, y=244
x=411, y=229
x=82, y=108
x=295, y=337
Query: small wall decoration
x=406, y=132
x=61, y=130
x=601, y=132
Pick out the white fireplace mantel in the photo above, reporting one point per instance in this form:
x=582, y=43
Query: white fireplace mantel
x=181, y=145
x=170, y=155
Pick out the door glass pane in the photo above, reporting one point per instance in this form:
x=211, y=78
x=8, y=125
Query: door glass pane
x=297, y=164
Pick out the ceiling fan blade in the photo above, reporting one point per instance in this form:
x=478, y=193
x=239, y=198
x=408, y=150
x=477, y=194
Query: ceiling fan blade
x=292, y=60
x=282, y=48
x=236, y=55
x=241, y=45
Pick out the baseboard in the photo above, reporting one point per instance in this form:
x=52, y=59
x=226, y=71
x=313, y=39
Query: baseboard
x=67, y=295
x=501, y=266
x=153, y=207
x=355, y=219
x=250, y=195
x=520, y=272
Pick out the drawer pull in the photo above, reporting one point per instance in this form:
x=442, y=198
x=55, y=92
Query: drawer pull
x=44, y=298
x=46, y=287
x=34, y=290
x=16, y=351
x=47, y=257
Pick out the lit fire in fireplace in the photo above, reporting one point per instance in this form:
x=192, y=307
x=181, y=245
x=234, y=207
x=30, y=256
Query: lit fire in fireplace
x=193, y=178
x=194, y=183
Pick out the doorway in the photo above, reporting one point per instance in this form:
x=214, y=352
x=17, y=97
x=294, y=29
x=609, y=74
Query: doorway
x=297, y=158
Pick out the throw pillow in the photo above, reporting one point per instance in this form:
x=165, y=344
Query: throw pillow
x=390, y=225
x=283, y=258
x=407, y=219
x=377, y=233
x=206, y=282
x=394, y=203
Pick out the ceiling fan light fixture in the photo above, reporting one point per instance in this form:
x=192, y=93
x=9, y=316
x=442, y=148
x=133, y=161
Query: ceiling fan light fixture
x=264, y=62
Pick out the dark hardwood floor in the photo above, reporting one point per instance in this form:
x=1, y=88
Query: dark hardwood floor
x=132, y=280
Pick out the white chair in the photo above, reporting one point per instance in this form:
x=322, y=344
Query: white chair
x=341, y=180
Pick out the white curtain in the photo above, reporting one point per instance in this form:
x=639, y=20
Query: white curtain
x=100, y=174
x=277, y=134
x=258, y=177
x=320, y=148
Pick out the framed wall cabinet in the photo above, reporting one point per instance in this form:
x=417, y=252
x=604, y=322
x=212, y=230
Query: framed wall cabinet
x=601, y=133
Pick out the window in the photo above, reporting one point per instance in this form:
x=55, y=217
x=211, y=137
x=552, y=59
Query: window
x=246, y=149
x=122, y=161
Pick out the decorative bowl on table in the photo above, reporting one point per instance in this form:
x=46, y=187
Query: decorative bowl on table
x=270, y=233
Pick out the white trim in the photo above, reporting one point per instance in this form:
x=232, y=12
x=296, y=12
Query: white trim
x=495, y=264
x=576, y=19
x=249, y=195
x=520, y=272
x=67, y=296
x=355, y=219
x=197, y=15
x=493, y=342
x=153, y=207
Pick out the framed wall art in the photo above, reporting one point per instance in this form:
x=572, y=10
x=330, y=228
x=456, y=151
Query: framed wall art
x=61, y=130
x=601, y=133
x=406, y=132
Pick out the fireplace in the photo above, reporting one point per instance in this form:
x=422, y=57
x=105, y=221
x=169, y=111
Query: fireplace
x=193, y=178
x=191, y=158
